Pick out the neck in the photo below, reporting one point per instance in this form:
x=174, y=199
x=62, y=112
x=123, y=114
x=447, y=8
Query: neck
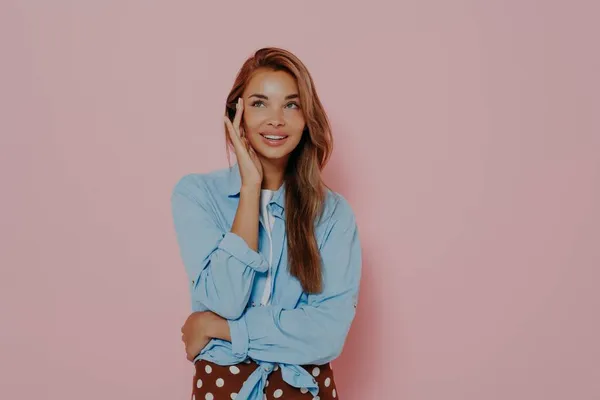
x=273, y=173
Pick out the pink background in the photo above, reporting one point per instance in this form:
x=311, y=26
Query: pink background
x=467, y=141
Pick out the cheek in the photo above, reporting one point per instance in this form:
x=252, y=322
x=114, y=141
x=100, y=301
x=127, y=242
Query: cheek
x=296, y=123
x=251, y=122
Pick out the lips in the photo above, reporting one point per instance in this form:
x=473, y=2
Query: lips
x=274, y=140
x=273, y=136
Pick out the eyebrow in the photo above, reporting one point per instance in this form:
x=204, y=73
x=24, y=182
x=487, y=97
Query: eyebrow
x=262, y=96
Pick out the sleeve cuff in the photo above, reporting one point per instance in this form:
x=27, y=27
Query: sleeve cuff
x=238, y=248
x=239, y=337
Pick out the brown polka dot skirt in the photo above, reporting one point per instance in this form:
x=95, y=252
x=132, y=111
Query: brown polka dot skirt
x=216, y=382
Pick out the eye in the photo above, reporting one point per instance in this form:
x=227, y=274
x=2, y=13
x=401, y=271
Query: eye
x=257, y=102
x=293, y=104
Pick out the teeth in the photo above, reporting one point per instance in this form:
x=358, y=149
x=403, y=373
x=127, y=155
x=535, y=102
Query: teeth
x=272, y=137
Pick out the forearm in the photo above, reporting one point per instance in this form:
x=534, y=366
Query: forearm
x=245, y=222
x=306, y=335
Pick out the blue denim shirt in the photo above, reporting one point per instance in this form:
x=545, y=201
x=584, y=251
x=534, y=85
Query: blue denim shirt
x=228, y=277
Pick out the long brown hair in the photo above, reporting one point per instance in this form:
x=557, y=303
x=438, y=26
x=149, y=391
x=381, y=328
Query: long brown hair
x=305, y=189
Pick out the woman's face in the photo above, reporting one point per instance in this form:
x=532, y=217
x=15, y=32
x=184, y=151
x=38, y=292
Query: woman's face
x=273, y=121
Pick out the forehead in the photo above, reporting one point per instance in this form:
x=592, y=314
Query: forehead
x=271, y=83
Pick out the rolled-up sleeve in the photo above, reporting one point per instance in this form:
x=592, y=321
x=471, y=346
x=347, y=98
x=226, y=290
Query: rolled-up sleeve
x=316, y=332
x=219, y=264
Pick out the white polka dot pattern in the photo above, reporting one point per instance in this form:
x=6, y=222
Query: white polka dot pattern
x=218, y=382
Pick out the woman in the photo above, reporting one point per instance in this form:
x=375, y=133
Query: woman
x=272, y=255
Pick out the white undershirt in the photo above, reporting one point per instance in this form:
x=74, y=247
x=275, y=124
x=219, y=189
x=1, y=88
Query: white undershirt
x=267, y=220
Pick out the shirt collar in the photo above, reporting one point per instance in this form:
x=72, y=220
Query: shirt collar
x=235, y=184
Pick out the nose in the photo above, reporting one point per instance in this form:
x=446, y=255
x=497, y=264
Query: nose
x=276, y=118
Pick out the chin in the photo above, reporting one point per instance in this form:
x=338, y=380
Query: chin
x=274, y=155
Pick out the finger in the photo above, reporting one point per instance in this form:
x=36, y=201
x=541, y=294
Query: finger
x=238, y=113
x=233, y=134
x=246, y=143
x=252, y=153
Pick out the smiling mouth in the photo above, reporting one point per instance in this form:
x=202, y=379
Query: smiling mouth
x=273, y=137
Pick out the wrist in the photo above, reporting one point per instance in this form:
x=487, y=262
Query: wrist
x=250, y=189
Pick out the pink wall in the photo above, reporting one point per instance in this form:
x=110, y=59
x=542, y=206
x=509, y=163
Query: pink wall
x=468, y=142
